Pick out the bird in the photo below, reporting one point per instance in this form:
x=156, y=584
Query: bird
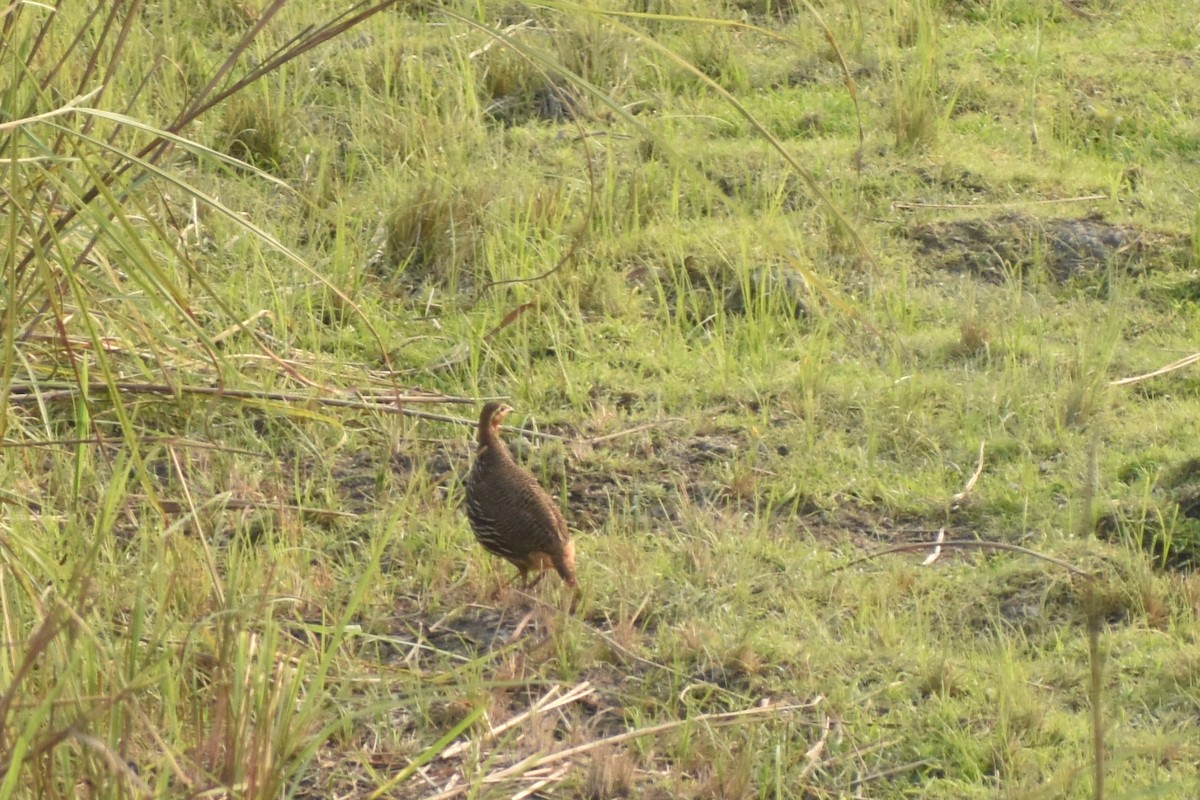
x=510, y=513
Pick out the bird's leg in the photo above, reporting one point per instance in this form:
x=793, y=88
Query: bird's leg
x=541, y=574
x=573, y=599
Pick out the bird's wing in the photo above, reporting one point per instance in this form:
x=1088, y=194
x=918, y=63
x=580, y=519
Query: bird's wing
x=536, y=513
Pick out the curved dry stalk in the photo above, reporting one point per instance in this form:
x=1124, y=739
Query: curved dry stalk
x=1186, y=361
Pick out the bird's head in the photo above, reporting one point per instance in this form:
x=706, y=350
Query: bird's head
x=490, y=418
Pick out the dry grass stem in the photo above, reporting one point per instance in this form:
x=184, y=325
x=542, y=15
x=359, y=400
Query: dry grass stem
x=1186, y=361
x=813, y=755
x=937, y=550
x=960, y=496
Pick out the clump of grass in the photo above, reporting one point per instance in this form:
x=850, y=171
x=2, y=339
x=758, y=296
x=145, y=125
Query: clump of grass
x=611, y=774
x=1084, y=391
x=254, y=132
x=504, y=72
x=974, y=336
x=433, y=234
x=517, y=90
x=916, y=106
x=233, y=16
x=712, y=52
x=600, y=53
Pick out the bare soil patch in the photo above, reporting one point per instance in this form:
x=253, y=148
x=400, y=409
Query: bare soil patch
x=995, y=248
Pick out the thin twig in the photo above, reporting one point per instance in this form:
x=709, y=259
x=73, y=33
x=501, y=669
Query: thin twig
x=625, y=651
x=509, y=319
x=554, y=437
x=860, y=753
x=716, y=718
x=1096, y=693
x=1012, y=204
x=517, y=631
x=968, y=543
x=414, y=646
x=608, y=437
x=1071, y=6
x=887, y=773
x=241, y=504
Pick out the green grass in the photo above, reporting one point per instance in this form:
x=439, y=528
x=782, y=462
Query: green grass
x=746, y=349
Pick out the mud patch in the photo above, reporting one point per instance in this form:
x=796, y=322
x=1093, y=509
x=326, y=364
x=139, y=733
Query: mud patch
x=673, y=473
x=701, y=292
x=668, y=478
x=462, y=634
x=998, y=247
x=591, y=499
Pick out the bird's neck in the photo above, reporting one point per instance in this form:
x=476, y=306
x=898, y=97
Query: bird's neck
x=490, y=445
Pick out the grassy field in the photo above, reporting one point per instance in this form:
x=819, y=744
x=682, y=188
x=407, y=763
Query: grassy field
x=774, y=287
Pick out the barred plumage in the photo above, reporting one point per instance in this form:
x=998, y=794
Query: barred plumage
x=510, y=514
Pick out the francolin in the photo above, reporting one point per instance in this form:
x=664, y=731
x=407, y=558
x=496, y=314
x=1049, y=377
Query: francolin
x=510, y=514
